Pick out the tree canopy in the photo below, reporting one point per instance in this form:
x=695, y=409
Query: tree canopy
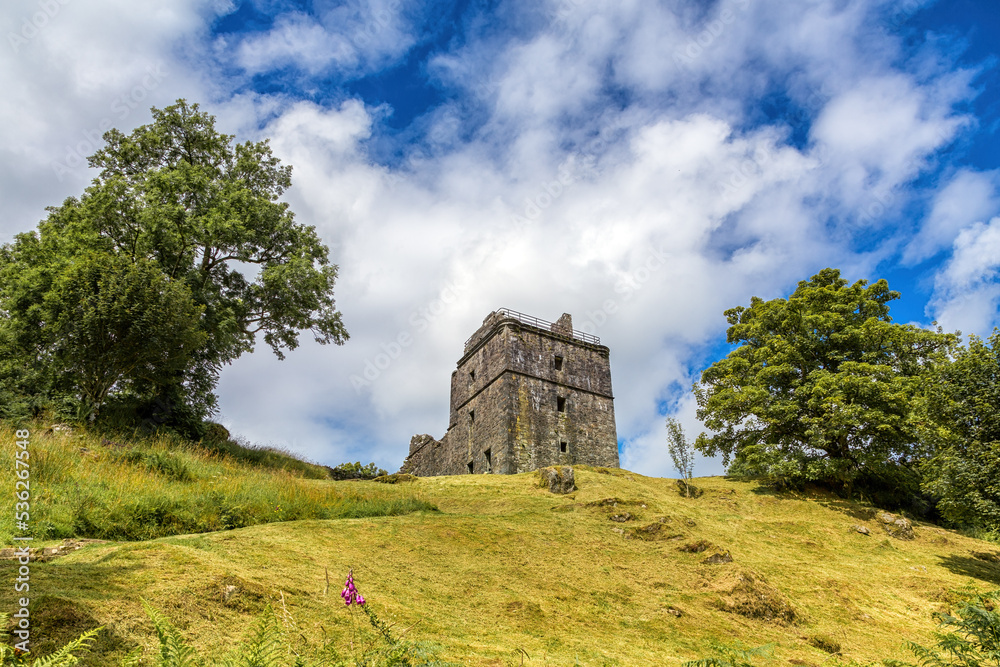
x=962, y=431
x=179, y=199
x=821, y=386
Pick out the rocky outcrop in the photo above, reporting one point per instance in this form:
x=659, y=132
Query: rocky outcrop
x=559, y=479
x=896, y=527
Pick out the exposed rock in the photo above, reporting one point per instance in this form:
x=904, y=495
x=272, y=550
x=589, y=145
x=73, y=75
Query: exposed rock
x=621, y=518
x=559, y=479
x=718, y=559
x=899, y=528
x=674, y=611
x=696, y=547
x=609, y=502
x=48, y=553
x=658, y=530
x=861, y=529
x=228, y=592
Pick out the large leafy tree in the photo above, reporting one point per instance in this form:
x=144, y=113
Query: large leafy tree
x=208, y=211
x=821, y=386
x=116, y=324
x=963, y=427
x=179, y=195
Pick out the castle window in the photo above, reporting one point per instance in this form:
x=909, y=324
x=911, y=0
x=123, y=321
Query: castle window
x=472, y=375
x=489, y=460
x=470, y=467
x=559, y=363
x=563, y=447
x=561, y=404
x=472, y=416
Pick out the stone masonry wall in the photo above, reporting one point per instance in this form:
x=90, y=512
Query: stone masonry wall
x=524, y=397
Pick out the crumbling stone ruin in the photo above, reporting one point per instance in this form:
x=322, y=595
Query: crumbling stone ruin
x=526, y=394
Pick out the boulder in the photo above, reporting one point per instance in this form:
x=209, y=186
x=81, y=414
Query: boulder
x=896, y=527
x=718, y=559
x=559, y=479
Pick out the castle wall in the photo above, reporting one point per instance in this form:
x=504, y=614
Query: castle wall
x=524, y=397
x=583, y=432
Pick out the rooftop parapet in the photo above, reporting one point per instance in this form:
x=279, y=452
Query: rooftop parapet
x=563, y=327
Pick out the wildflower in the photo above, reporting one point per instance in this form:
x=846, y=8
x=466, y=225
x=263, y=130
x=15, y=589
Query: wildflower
x=350, y=593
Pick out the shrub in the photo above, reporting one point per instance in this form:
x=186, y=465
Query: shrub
x=356, y=471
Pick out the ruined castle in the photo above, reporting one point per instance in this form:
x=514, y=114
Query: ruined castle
x=526, y=394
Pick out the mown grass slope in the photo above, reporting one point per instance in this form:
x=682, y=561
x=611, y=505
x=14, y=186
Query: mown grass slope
x=504, y=566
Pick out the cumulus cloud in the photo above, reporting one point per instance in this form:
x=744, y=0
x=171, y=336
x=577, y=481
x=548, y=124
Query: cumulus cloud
x=606, y=159
x=347, y=38
x=74, y=70
x=966, y=289
x=969, y=197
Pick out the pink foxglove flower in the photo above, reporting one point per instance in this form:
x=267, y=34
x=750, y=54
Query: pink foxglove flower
x=350, y=593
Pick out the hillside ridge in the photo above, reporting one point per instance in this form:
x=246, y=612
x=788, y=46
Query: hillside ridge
x=621, y=572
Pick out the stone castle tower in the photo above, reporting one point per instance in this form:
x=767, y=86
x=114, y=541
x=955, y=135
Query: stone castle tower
x=526, y=394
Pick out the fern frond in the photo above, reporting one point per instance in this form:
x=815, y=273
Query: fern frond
x=173, y=651
x=264, y=648
x=64, y=657
x=132, y=659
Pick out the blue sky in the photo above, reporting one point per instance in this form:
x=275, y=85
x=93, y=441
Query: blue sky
x=640, y=165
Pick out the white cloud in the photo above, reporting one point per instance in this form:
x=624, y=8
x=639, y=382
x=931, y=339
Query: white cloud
x=967, y=289
x=349, y=38
x=577, y=167
x=880, y=132
x=970, y=196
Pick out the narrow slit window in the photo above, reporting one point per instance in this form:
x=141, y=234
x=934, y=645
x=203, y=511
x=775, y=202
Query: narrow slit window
x=561, y=404
x=489, y=460
x=470, y=467
x=472, y=375
x=472, y=416
x=563, y=447
x=559, y=361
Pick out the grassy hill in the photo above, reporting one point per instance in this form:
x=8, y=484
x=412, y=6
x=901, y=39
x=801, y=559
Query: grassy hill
x=503, y=566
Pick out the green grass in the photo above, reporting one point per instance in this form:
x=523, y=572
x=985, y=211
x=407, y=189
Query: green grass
x=504, y=566
x=86, y=485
